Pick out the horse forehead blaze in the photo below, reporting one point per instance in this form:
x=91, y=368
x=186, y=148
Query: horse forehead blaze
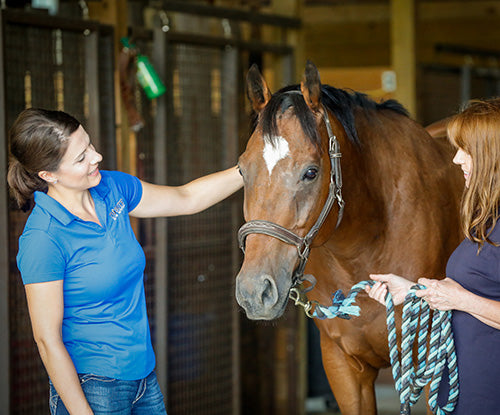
x=275, y=149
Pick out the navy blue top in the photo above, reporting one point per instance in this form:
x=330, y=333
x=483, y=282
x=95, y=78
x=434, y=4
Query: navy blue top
x=477, y=344
x=105, y=327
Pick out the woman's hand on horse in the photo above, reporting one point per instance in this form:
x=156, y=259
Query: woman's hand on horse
x=396, y=285
x=441, y=295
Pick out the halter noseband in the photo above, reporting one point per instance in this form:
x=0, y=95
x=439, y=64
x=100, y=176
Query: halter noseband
x=303, y=244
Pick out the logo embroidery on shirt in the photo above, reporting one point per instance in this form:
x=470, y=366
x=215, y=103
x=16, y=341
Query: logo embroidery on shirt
x=120, y=205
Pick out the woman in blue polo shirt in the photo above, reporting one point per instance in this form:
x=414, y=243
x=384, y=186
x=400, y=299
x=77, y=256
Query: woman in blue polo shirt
x=83, y=268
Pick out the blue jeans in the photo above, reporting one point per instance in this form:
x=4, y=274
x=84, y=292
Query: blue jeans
x=117, y=397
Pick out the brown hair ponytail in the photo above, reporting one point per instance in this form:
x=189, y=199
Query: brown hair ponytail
x=23, y=184
x=38, y=140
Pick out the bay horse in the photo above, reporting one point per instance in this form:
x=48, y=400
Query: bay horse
x=401, y=194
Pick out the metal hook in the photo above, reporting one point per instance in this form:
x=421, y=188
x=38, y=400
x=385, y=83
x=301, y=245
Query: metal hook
x=85, y=9
x=295, y=296
x=226, y=26
x=165, y=21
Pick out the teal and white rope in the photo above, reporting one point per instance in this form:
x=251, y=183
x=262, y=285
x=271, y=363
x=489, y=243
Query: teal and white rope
x=432, y=356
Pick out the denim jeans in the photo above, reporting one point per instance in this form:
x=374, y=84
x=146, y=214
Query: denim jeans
x=118, y=397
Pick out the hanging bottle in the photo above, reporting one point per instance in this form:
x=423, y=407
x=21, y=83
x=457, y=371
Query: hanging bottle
x=146, y=75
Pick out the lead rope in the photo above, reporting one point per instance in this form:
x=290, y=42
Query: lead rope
x=409, y=378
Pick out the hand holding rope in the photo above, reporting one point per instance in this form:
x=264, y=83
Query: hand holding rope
x=432, y=356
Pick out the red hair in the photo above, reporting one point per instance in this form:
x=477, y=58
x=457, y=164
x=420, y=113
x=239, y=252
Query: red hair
x=476, y=130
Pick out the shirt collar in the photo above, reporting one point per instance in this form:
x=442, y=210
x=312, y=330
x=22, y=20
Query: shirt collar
x=101, y=189
x=58, y=211
x=53, y=207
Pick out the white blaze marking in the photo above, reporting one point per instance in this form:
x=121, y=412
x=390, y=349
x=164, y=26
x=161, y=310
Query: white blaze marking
x=274, y=153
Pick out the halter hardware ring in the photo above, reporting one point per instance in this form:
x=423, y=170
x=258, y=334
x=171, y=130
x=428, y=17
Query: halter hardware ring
x=304, y=249
x=295, y=296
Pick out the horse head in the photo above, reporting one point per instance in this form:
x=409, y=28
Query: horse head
x=402, y=201
x=289, y=174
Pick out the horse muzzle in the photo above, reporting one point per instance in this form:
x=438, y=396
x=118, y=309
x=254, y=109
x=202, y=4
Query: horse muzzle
x=260, y=296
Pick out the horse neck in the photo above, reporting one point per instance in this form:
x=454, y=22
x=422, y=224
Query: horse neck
x=363, y=217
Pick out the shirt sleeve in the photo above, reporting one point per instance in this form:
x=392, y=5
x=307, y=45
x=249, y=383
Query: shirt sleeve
x=39, y=259
x=129, y=186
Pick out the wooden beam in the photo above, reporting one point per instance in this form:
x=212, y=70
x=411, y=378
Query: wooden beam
x=293, y=36
x=427, y=10
x=403, y=60
x=356, y=13
x=348, y=44
x=451, y=10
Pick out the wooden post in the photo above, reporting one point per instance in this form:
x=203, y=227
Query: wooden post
x=91, y=48
x=284, y=73
x=290, y=388
x=403, y=52
x=115, y=13
x=229, y=103
x=160, y=133
x=4, y=249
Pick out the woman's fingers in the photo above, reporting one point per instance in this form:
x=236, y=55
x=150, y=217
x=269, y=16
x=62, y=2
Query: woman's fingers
x=428, y=282
x=422, y=293
x=380, y=277
x=378, y=292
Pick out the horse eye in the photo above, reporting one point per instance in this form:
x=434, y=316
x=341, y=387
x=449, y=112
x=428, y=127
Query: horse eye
x=310, y=174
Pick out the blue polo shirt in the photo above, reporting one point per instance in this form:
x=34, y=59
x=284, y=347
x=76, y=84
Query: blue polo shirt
x=105, y=327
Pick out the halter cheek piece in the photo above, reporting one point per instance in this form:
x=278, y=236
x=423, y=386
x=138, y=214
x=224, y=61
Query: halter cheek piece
x=303, y=244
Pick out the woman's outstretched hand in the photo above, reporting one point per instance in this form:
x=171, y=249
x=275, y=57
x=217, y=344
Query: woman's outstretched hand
x=396, y=285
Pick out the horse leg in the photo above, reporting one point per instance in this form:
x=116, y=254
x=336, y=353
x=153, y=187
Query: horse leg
x=351, y=380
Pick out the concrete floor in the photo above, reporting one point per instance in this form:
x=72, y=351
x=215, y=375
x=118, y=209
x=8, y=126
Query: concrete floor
x=387, y=403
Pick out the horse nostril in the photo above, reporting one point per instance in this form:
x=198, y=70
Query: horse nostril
x=269, y=295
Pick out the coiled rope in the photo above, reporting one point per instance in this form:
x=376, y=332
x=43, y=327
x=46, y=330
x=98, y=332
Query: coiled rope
x=432, y=356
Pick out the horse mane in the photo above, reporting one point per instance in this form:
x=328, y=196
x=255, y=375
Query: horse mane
x=340, y=102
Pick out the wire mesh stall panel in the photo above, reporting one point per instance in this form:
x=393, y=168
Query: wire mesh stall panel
x=200, y=269
x=146, y=111
x=190, y=259
x=192, y=130
x=48, y=63
x=208, y=340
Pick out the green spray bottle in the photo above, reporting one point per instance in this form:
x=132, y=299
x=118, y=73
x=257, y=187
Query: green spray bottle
x=146, y=75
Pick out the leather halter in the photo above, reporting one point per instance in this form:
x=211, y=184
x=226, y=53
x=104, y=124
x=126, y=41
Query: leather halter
x=303, y=244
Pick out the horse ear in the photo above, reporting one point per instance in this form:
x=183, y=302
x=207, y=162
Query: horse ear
x=257, y=90
x=311, y=86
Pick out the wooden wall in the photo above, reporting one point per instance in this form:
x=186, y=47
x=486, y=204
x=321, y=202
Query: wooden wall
x=358, y=35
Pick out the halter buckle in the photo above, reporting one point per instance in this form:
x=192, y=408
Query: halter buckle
x=304, y=249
